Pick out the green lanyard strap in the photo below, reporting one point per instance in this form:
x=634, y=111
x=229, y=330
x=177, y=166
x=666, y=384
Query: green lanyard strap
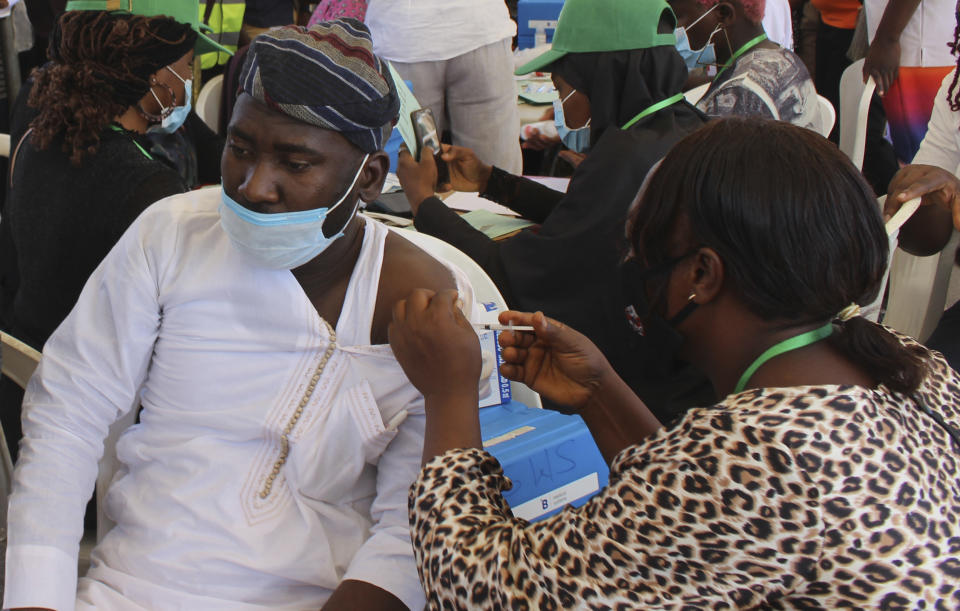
x=791, y=343
x=654, y=108
x=740, y=52
x=135, y=143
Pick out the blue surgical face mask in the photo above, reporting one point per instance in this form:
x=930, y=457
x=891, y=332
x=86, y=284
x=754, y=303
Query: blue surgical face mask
x=174, y=118
x=695, y=58
x=283, y=240
x=574, y=139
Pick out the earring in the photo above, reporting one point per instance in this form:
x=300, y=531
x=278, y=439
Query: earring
x=693, y=295
x=727, y=36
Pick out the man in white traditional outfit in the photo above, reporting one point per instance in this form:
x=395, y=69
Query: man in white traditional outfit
x=278, y=435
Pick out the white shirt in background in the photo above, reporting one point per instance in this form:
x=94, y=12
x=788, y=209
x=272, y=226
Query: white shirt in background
x=778, y=23
x=941, y=146
x=924, y=39
x=433, y=30
x=220, y=354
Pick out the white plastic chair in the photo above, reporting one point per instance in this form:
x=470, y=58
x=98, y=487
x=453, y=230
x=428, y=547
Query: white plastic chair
x=19, y=359
x=828, y=116
x=208, y=102
x=17, y=362
x=693, y=95
x=485, y=291
x=855, y=96
x=917, y=290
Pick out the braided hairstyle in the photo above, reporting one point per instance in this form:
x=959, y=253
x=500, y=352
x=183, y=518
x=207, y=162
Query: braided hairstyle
x=100, y=65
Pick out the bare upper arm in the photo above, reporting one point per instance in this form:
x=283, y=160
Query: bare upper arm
x=405, y=267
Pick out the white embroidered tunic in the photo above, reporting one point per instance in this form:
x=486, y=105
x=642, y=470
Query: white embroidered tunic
x=271, y=460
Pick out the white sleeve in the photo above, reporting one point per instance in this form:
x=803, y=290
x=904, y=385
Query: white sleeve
x=386, y=558
x=90, y=373
x=941, y=146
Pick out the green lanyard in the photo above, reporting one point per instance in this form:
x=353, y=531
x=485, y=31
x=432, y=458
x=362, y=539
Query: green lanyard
x=135, y=143
x=791, y=343
x=654, y=108
x=740, y=52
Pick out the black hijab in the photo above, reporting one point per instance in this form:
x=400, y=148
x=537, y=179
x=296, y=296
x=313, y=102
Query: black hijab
x=622, y=84
x=569, y=269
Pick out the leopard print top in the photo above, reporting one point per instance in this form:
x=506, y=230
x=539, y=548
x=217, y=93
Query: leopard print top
x=806, y=497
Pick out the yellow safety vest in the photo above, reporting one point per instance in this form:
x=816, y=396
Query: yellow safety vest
x=226, y=19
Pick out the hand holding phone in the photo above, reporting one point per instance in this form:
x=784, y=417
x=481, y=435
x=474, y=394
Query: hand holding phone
x=425, y=130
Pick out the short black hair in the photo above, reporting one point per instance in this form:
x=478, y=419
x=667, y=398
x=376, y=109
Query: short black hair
x=798, y=229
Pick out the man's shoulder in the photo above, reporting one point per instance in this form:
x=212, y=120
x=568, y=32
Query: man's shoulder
x=182, y=207
x=407, y=266
x=176, y=218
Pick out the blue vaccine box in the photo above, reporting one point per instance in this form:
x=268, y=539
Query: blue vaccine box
x=533, y=14
x=550, y=457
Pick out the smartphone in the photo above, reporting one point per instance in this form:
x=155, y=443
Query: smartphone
x=425, y=131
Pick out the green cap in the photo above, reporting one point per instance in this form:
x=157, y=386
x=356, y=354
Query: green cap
x=605, y=25
x=184, y=11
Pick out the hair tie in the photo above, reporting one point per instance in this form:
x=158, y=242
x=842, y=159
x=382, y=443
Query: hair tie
x=848, y=312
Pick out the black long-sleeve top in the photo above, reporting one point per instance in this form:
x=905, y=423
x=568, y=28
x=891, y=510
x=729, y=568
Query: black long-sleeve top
x=528, y=198
x=569, y=266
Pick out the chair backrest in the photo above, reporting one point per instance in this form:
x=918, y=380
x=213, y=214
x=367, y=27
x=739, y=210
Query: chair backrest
x=17, y=362
x=855, y=96
x=918, y=290
x=208, y=102
x=18, y=359
x=828, y=116
x=693, y=95
x=917, y=287
x=484, y=289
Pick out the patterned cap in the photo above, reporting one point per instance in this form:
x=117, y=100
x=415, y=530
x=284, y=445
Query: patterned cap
x=326, y=76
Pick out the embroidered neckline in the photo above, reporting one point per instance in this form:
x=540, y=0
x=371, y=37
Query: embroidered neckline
x=292, y=423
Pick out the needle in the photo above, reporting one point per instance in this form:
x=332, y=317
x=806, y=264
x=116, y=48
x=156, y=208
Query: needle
x=492, y=326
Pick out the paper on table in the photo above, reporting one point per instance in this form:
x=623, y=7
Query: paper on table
x=391, y=184
x=460, y=200
x=557, y=183
x=537, y=91
x=494, y=225
x=5, y=12
x=408, y=104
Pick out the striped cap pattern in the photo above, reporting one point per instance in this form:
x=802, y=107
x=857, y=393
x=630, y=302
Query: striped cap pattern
x=326, y=76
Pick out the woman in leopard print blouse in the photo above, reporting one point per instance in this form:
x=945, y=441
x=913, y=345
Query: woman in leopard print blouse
x=827, y=477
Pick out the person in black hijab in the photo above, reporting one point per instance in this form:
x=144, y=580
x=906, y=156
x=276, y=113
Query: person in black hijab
x=619, y=79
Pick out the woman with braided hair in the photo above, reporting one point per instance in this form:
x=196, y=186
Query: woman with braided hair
x=80, y=169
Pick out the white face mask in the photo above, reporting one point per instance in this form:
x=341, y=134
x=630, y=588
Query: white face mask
x=283, y=240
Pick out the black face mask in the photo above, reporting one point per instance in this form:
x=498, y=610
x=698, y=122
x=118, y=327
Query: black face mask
x=645, y=292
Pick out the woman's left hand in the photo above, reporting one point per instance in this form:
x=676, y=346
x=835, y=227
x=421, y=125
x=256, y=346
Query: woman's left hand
x=436, y=346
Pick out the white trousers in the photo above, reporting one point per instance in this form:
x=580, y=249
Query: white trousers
x=474, y=95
